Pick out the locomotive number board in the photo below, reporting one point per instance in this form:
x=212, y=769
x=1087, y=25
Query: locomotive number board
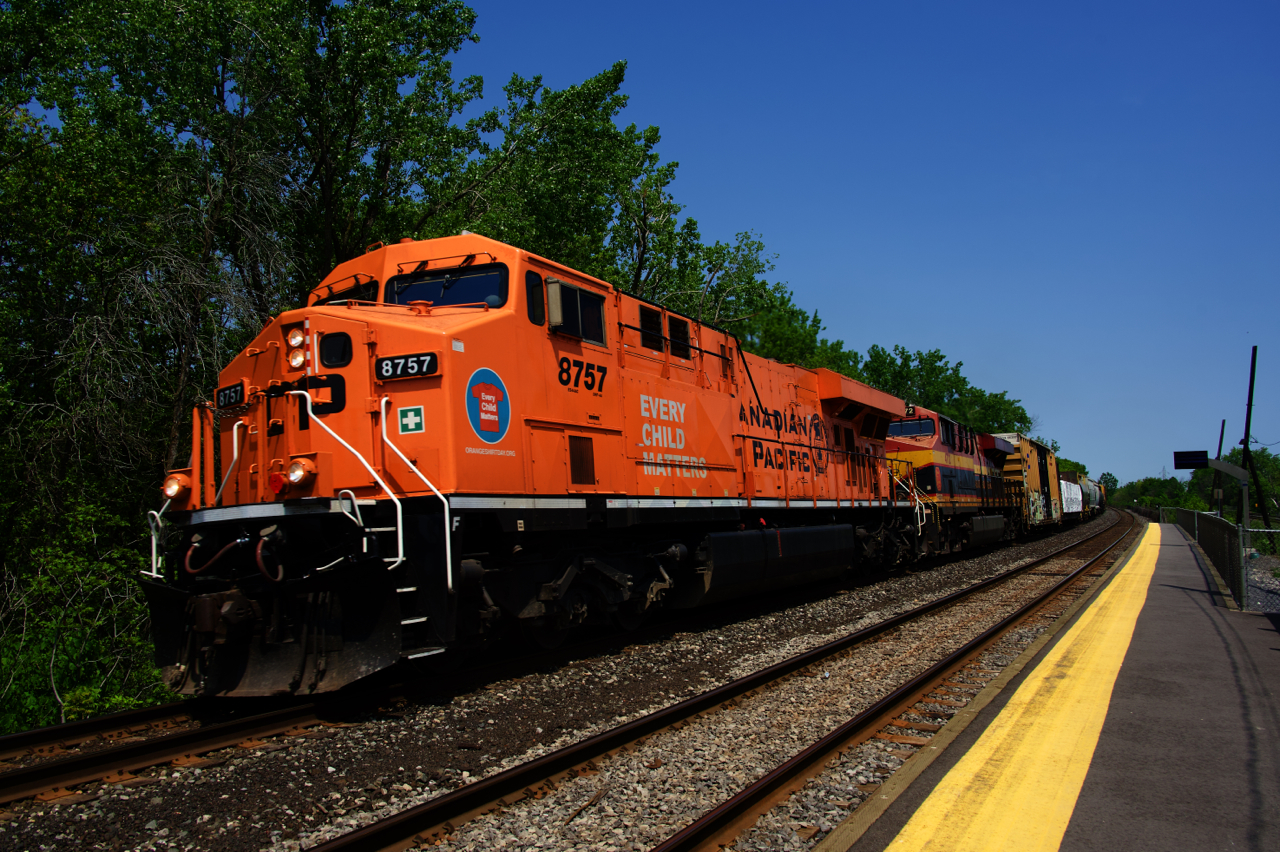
x=406, y=366
x=231, y=395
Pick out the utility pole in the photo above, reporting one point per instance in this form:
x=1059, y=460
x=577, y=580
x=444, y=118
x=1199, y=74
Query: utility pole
x=1248, y=456
x=1217, y=474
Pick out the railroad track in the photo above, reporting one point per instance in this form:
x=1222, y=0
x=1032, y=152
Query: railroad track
x=48, y=763
x=125, y=752
x=57, y=740
x=441, y=817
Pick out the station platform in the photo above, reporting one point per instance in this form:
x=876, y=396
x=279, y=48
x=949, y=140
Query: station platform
x=1150, y=720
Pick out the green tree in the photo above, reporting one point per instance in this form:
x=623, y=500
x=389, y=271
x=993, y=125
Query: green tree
x=187, y=174
x=1154, y=492
x=990, y=412
x=546, y=172
x=1109, y=482
x=931, y=380
x=781, y=330
x=1069, y=466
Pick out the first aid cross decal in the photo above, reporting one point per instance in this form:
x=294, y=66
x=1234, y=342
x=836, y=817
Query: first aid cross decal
x=411, y=420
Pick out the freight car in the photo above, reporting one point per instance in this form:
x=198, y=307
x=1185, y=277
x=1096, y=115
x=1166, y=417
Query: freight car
x=456, y=436
x=1082, y=498
x=1035, y=466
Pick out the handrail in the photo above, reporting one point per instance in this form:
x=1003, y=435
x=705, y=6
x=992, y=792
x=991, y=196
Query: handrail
x=235, y=459
x=919, y=499
x=357, y=518
x=378, y=479
x=424, y=265
x=448, y=532
x=153, y=521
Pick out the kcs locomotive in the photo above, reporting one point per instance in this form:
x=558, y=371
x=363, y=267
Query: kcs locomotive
x=456, y=437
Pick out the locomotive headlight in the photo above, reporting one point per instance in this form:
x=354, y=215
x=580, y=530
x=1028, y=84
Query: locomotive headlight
x=296, y=337
x=296, y=358
x=301, y=471
x=175, y=486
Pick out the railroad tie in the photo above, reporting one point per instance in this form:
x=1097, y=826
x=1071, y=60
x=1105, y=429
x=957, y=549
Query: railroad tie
x=902, y=739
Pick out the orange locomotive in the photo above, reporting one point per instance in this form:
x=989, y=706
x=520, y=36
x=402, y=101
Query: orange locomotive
x=456, y=435
x=959, y=477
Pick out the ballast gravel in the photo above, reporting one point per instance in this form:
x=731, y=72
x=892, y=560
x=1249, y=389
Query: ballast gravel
x=300, y=791
x=1264, y=583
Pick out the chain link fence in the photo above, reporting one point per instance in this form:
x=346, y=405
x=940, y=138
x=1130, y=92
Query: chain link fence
x=1253, y=578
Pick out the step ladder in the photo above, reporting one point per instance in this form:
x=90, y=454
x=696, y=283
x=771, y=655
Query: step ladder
x=416, y=640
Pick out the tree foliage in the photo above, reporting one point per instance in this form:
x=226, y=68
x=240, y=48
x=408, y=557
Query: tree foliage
x=175, y=175
x=1154, y=492
x=1069, y=466
x=781, y=330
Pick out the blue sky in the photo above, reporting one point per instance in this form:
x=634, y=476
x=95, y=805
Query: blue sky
x=1081, y=202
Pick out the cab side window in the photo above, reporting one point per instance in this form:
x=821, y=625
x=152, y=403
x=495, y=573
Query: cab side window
x=576, y=312
x=533, y=296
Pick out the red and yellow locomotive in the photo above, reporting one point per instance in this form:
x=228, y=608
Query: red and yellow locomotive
x=959, y=478
x=455, y=436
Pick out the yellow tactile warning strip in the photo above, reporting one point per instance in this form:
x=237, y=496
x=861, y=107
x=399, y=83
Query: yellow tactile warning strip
x=1017, y=787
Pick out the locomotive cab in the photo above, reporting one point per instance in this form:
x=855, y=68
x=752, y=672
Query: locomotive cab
x=320, y=553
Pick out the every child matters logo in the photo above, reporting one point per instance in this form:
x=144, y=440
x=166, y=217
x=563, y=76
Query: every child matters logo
x=488, y=406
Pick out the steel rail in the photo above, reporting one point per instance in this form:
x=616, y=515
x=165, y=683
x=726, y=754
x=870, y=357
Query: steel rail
x=69, y=734
x=504, y=788
x=710, y=830
x=81, y=768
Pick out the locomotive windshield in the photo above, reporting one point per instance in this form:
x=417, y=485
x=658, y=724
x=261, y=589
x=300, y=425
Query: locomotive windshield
x=911, y=428
x=468, y=285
